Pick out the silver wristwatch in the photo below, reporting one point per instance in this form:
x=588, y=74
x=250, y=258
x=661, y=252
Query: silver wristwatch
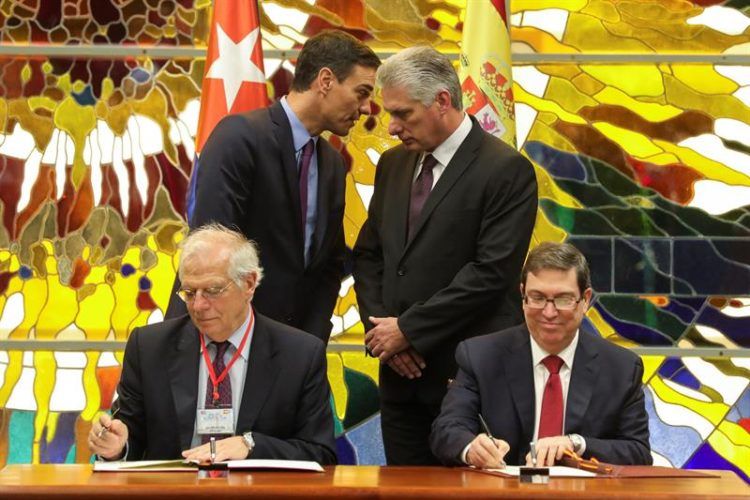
x=249, y=442
x=577, y=441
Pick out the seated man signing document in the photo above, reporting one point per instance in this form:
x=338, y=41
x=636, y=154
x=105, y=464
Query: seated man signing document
x=545, y=382
x=258, y=387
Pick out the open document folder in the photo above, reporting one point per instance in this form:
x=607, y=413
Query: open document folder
x=555, y=471
x=186, y=466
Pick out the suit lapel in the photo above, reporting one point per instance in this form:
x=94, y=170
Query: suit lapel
x=465, y=156
x=586, y=366
x=183, y=379
x=520, y=375
x=260, y=376
x=283, y=133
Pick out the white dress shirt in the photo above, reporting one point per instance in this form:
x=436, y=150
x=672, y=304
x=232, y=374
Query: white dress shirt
x=444, y=152
x=236, y=373
x=541, y=375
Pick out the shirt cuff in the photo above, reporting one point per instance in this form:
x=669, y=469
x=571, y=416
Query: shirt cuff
x=464, y=453
x=121, y=458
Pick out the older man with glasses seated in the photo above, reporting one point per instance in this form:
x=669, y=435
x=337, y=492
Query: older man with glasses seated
x=258, y=388
x=544, y=382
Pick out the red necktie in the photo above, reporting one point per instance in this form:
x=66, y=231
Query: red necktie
x=304, y=172
x=420, y=191
x=551, y=419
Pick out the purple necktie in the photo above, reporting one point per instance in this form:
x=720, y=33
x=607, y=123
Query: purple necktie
x=304, y=172
x=225, y=386
x=420, y=190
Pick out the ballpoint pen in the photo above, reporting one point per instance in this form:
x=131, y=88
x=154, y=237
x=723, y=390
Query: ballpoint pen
x=486, y=429
x=106, y=428
x=213, y=449
x=532, y=452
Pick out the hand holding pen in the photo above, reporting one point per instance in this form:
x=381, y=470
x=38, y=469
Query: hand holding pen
x=108, y=436
x=485, y=451
x=105, y=422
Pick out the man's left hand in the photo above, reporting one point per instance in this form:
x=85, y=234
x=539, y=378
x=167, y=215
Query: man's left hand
x=385, y=339
x=550, y=449
x=231, y=448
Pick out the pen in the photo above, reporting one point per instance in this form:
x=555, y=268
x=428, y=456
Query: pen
x=533, y=453
x=213, y=449
x=486, y=429
x=104, y=429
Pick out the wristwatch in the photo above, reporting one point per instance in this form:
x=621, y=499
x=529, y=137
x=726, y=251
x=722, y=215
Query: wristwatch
x=249, y=442
x=577, y=441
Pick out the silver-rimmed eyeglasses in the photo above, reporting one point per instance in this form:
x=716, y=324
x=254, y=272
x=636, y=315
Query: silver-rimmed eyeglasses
x=188, y=295
x=561, y=302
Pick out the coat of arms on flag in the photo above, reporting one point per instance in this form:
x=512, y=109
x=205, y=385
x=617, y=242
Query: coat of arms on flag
x=486, y=78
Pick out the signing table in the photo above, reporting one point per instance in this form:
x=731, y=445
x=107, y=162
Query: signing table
x=79, y=482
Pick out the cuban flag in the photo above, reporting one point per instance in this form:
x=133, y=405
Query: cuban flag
x=234, y=80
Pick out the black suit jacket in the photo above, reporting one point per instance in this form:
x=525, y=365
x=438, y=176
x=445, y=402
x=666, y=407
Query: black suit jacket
x=248, y=179
x=285, y=403
x=458, y=276
x=495, y=378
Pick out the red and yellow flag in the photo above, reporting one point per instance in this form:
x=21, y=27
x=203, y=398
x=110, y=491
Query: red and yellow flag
x=234, y=80
x=485, y=73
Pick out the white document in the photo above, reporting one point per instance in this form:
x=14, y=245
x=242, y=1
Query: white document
x=555, y=471
x=146, y=466
x=185, y=466
x=257, y=464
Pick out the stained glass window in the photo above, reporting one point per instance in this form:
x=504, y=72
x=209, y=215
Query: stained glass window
x=634, y=113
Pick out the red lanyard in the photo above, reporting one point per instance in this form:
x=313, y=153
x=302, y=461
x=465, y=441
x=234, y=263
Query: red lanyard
x=211, y=373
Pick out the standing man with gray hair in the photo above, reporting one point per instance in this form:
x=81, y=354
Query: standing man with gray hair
x=257, y=387
x=438, y=259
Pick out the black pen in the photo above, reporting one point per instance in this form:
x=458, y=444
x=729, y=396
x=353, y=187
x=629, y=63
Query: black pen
x=486, y=429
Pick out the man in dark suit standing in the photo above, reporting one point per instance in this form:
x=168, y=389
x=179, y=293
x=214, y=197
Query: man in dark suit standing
x=270, y=175
x=437, y=260
x=545, y=381
x=257, y=386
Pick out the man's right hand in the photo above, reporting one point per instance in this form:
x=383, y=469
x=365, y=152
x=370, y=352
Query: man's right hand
x=107, y=437
x=487, y=453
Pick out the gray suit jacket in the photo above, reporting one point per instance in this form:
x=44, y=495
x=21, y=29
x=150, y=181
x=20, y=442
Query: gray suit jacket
x=285, y=403
x=495, y=378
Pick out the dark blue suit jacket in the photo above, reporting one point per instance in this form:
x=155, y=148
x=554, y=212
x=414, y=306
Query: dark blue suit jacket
x=495, y=378
x=285, y=403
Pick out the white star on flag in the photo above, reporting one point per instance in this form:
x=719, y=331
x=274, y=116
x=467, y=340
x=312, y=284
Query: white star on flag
x=234, y=64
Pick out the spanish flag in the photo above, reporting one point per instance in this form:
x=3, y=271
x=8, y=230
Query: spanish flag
x=485, y=73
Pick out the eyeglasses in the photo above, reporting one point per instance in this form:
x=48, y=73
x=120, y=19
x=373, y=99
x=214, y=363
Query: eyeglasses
x=188, y=295
x=561, y=303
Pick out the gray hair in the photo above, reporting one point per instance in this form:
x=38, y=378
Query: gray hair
x=423, y=72
x=558, y=256
x=243, y=253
